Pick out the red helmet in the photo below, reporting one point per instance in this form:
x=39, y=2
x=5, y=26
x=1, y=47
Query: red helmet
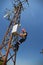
x=23, y=30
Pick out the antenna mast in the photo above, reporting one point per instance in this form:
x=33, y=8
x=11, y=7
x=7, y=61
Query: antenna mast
x=10, y=39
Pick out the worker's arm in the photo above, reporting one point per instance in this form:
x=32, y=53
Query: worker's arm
x=22, y=35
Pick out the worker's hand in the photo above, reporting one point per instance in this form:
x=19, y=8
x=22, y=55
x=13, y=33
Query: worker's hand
x=21, y=35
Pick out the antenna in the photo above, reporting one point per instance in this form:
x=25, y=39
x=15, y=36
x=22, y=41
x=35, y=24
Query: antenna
x=41, y=51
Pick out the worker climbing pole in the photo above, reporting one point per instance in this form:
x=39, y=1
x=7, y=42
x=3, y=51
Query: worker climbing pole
x=11, y=42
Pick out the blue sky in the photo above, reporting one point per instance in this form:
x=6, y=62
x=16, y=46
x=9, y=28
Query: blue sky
x=32, y=21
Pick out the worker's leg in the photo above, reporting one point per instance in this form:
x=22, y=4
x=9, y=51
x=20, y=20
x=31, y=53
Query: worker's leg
x=16, y=46
x=20, y=41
